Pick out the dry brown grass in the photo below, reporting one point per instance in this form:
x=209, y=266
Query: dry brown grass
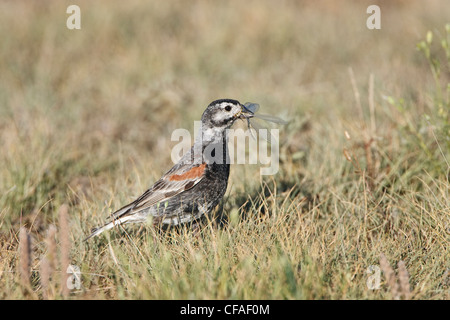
x=86, y=118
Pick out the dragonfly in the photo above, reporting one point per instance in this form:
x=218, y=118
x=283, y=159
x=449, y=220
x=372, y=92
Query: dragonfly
x=254, y=124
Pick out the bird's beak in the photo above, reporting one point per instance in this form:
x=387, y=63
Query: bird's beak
x=245, y=113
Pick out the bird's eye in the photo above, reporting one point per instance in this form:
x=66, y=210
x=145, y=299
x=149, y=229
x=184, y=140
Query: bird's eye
x=228, y=108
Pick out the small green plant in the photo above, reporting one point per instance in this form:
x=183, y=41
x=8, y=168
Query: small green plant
x=431, y=132
x=439, y=62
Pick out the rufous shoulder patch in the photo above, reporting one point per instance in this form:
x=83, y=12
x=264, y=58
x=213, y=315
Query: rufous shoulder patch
x=191, y=174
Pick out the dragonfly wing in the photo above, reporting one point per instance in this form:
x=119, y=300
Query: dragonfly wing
x=270, y=118
x=252, y=107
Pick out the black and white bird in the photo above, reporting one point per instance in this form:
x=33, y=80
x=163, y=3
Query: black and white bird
x=196, y=184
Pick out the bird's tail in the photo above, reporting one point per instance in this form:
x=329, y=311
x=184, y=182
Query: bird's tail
x=118, y=217
x=97, y=231
x=107, y=226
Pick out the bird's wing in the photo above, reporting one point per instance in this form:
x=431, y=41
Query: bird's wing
x=174, y=182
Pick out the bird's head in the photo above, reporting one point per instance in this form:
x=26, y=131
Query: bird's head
x=221, y=114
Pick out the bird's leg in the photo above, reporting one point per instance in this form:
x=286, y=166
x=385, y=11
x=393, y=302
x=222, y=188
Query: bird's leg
x=196, y=228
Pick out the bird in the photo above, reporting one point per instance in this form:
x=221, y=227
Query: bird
x=194, y=186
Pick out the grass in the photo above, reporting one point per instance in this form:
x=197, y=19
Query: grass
x=86, y=118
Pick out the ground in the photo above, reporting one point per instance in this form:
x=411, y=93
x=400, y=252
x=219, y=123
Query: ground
x=360, y=206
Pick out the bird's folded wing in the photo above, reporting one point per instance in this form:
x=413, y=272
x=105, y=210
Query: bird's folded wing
x=174, y=182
